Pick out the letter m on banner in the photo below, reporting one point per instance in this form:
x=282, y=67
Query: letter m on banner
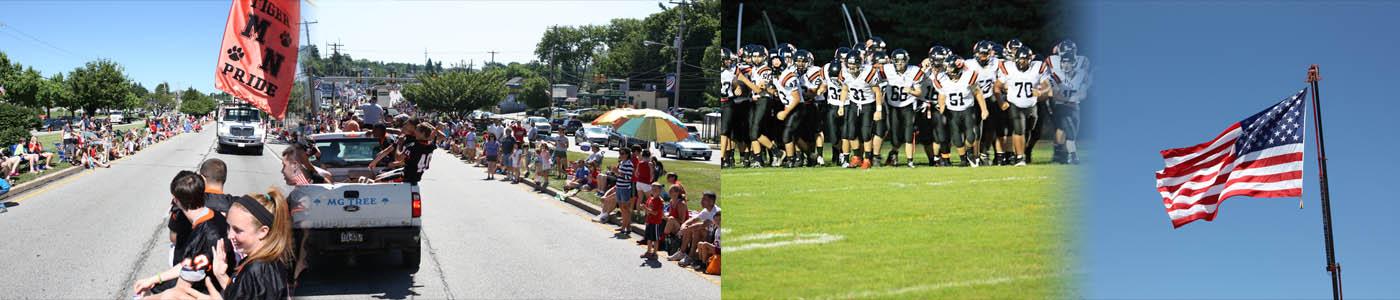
x=258, y=58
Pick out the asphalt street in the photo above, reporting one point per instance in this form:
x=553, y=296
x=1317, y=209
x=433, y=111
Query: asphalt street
x=93, y=234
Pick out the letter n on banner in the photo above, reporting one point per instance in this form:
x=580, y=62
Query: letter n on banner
x=258, y=58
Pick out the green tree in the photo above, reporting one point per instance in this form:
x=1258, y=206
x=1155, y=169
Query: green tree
x=55, y=93
x=457, y=92
x=195, y=103
x=101, y=84
x=15, y=123
x=23, y=88
x=534, y=93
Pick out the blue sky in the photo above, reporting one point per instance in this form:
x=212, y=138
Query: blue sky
x=177, y=41
x=1173, y=74
x=154, y=41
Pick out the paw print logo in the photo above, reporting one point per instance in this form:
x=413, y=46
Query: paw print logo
x=286, y=39
x=235, y=53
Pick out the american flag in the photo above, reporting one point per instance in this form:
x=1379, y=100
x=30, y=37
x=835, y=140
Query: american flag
x=1259, y=157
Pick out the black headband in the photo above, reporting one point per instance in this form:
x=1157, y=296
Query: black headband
x=259, y=212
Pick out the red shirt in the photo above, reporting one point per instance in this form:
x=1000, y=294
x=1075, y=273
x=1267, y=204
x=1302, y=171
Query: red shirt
x=654, y=209
x=679, y=211
x=642, y=173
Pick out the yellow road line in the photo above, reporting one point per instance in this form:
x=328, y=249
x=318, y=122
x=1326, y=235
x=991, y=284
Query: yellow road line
x=50, y=185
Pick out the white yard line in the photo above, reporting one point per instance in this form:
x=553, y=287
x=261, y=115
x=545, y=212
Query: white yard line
x=797, y=239
x=936, y=286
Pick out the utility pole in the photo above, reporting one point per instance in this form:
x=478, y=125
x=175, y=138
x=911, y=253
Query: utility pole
x=680, y=43
x=310, y=88
x=493, y=56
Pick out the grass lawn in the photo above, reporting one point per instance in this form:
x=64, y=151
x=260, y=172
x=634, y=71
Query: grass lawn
x=49, y=138
x=925, y=233
x=697, y=178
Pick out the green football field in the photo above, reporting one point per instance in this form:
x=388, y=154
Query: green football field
x=950, y=233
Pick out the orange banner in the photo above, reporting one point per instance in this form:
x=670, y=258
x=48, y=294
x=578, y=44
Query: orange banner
x=258, y=58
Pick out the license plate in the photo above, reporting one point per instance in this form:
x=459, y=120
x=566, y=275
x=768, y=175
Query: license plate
x=240, y=145
x=351, y=237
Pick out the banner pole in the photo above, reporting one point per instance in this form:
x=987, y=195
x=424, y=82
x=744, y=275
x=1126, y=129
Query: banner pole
x=1332, y=266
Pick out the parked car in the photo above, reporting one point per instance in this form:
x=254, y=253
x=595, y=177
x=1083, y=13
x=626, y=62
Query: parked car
x=571, y=125
x=688, y=148
x=596, y=135
x=617, y=140
x=54, y=124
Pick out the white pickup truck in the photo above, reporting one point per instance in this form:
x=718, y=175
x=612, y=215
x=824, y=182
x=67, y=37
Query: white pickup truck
x=356, y=218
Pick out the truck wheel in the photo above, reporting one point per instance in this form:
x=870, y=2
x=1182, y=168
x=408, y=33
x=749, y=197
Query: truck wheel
x=411, y=257
x=258, y=150
x=219, y=149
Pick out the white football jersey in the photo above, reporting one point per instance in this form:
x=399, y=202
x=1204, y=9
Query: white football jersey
x=1069, y=88
x=833, y=87
x=900, y=80
x=814, y=78
x=862, y=85
x=957, y=90
x=726, y=81
x=1021, y=85
x=987, y=75
x=791, y=80
x=763, y=77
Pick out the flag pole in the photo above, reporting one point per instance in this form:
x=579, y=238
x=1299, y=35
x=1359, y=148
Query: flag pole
x=1332, y=266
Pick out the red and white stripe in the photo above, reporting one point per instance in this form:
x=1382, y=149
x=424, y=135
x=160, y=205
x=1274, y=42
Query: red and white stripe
x=1198, y=178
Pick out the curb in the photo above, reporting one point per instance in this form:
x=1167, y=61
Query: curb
x=580, y=203
x=20, y=189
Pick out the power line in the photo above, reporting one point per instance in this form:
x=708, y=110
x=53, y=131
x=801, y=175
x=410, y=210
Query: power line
x=14, y=30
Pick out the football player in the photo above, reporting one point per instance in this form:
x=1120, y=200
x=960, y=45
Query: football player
x=751, y=77
x=729, y=93
x=1025, y=84
x=957, y=95
x=985, y=62
x=834, y=123
x=791, y=88
x=1071, y=83
x=932, y=129
x=860, y=88
x=904, y=81
x=1066, y=49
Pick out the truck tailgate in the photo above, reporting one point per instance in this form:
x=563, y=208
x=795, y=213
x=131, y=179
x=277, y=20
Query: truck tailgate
x=353, y=205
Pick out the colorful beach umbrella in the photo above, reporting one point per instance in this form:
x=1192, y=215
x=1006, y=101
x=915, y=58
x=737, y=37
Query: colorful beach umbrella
x=659, y=128
x=611, y=116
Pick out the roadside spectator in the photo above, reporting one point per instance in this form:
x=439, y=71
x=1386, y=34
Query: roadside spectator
x=596, y=157
x=507, y=153
x=676, y=212
x=542, y=167
x=642, y=173
x=561, y=152
x=708, y=252
x=470, y=145
x=38, y=149
x=676, y=188
x=696, y=229
x=624, y=190
x=580, y=180
x=657, y=169
x=652, y=234
x=492, y=154
x=9, y=164
x=22, y=151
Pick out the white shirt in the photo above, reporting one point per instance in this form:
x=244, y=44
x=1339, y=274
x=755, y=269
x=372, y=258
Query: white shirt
x=861, y=84
x=1021, y=84
x=957, y=90
x=900, y=80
